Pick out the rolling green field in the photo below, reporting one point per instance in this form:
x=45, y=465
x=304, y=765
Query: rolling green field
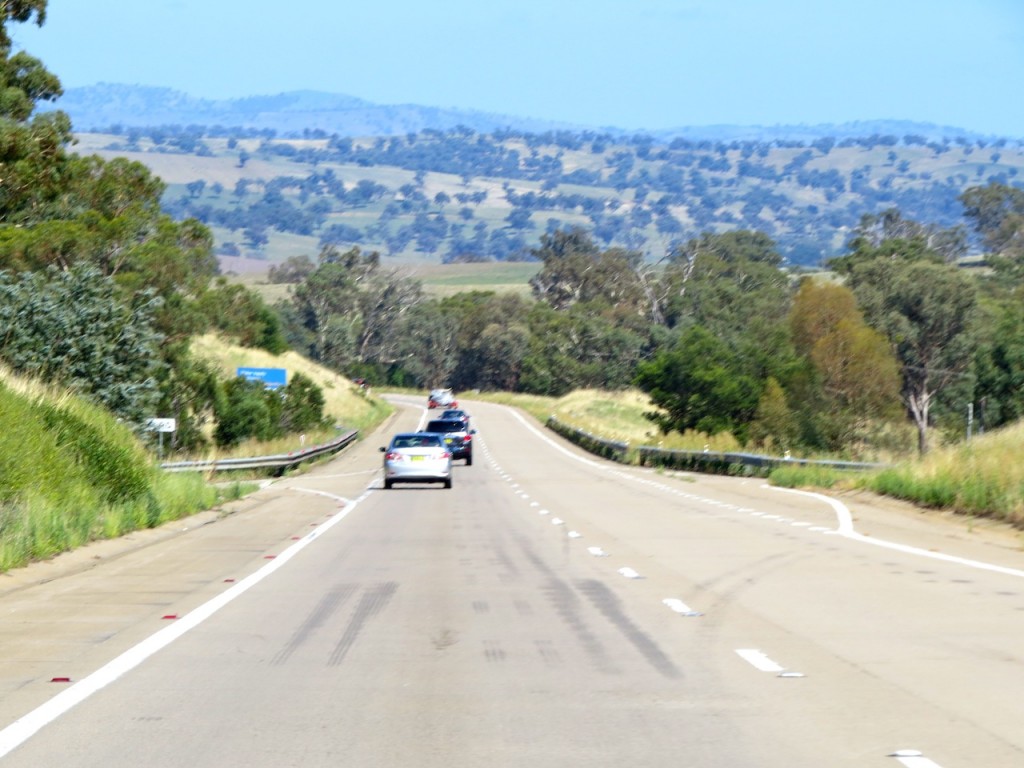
x=500, y=277
x=808, y=200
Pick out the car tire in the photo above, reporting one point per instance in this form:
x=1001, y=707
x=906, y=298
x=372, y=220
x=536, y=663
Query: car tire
x=387, y=485
x=469, y=461
x=448, y=483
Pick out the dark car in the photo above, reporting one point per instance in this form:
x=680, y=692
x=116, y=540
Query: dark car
x=457, y=436
x=455, y=413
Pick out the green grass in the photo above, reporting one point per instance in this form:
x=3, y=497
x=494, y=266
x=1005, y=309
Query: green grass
x=500, y=277
x=983, y=478
x=71, y=474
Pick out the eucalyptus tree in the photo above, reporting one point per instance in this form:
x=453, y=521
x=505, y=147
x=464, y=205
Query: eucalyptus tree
x=996, y=212
x=575, y=270
x=853, y=382
x=350, y=309
x=59, y=208
x=700, y=383
x=733, y=285
x=926, y=308
x=131, y=275
x=82, y=336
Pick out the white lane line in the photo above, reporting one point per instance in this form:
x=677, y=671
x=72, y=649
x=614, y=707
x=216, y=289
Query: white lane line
x=845, y=518
x=25, y=727
x=759, y=660
x=911, y=758
x=597, y=552
x=846, y=530
x=629, y=573
x=680, y=607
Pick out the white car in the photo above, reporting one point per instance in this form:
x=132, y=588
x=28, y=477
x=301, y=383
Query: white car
x=417, y=457
x=441, y=398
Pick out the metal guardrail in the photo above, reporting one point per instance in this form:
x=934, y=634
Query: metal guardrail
x=736, y=463
x=609, y=449
x=697, y=461
x=280, y=462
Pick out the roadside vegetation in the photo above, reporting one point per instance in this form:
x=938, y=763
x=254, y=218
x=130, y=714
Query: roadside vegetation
x=72, y=474
x=346, y=405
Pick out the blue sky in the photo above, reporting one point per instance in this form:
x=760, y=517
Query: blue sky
x=634, y=64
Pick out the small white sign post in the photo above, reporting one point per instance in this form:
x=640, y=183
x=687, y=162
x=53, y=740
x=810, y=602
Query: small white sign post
x=160, y=426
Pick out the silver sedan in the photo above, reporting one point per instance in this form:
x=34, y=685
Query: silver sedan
x=417, y=457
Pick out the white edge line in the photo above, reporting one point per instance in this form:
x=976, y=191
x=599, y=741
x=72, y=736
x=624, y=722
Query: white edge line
x=843, y=515
x=846, y=529
x=27, y=726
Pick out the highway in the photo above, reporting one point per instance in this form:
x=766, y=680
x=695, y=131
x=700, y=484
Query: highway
x=551, y=609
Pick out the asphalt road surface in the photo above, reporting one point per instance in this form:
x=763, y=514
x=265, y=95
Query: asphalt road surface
x=551, y=609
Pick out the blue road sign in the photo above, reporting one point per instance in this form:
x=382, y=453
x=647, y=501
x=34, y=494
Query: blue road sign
x=272, y=378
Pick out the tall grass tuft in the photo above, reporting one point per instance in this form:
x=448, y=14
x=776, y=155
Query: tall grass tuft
x=984, y=477
x=809, y=476
x=70, y=474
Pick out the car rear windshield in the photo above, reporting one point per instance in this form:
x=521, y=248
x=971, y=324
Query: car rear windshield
x=416, y=441
x=447, y=425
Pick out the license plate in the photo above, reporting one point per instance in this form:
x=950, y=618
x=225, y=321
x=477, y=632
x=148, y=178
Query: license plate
x=418, y=458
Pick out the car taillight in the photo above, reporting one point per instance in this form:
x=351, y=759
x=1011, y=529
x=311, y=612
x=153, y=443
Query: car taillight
x=446, y=455
x=393, y=456
x=467, y=438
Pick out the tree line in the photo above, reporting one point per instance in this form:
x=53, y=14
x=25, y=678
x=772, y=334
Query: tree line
x=721, y=334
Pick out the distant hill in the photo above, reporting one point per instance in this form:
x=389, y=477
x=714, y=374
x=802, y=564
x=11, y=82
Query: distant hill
x=433, y=196
x=295, y=113
x=101, y=106
x=281, y=176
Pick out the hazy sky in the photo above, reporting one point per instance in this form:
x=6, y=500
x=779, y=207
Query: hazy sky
x=635, y=64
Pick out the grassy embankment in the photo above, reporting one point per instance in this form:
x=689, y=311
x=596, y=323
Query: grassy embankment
x=348, y=406
x=71, y=474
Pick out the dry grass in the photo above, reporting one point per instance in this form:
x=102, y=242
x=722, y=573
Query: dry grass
x=347, y=404
x=617, y=416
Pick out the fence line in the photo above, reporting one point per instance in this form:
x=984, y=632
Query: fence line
x=279, y=462
x=713, y=462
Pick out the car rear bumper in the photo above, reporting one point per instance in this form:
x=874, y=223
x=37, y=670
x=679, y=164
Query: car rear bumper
x=417, y=474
